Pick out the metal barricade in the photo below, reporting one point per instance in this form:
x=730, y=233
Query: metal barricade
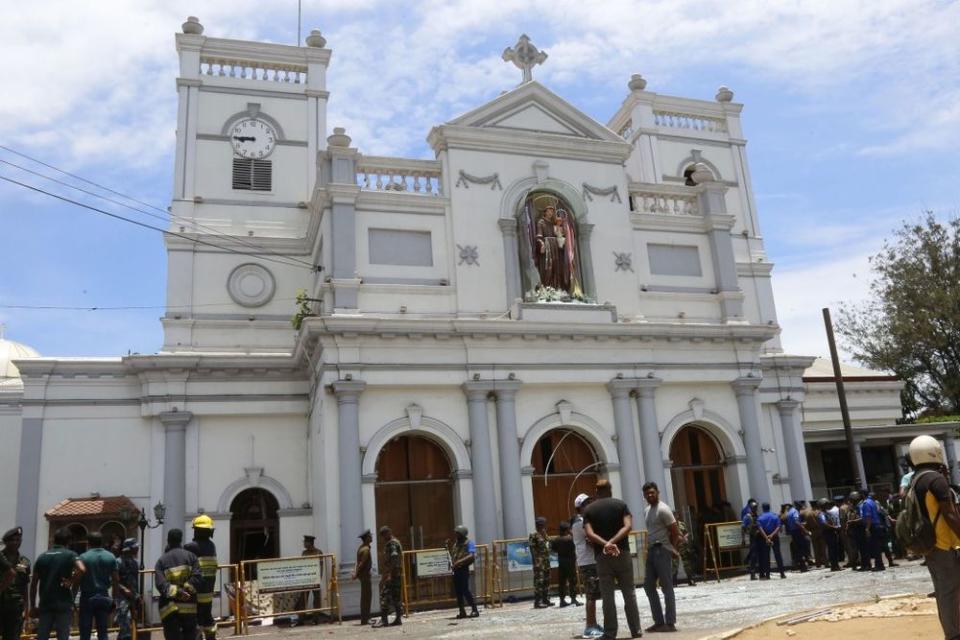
x=723, y=546
x=512, y=569
x=279, y=587
x=638, y=555
x=146, y=618
x=427, y=580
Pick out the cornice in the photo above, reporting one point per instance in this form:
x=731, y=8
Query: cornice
x=537, y=144
x=400, y=202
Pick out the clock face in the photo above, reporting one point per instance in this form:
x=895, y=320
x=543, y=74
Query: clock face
x=253, y=138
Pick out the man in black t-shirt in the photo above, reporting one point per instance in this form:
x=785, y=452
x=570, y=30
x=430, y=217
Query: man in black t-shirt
x=607, y=524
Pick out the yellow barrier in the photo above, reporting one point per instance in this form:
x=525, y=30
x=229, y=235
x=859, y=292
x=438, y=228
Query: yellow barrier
x=283, y=587
x=723, y=544
x=427, y=581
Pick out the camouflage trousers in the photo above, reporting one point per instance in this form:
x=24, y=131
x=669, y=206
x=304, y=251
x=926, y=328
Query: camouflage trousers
x=390, y=598
x=688, y=560
x=541, y=583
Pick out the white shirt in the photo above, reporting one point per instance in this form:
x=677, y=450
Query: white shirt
x=585, y=555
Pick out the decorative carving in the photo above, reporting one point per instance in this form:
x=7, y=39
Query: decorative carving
x=414, y=415
x=465, y=179
x=525, y=56
x=696, y=406
x=251, y=285
x=469, y=254
x=623, y=261
x=565, y=409
x=613, y=192
x=254, y=475
x=541, y=168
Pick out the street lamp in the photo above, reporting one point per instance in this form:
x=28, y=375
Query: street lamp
x=158, y=512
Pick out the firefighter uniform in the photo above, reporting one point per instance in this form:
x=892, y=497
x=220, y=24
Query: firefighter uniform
x=206, y=552
x=177, y=580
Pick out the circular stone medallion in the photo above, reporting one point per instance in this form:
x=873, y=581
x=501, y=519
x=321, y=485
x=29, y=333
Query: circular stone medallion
x=251, y=285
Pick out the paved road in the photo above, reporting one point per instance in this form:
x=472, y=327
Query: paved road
x=702, y=610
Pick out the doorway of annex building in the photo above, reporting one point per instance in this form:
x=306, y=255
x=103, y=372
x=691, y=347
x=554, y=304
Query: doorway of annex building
x=254, y=526
x=699, y=483
x=564, y=465
x=414, y=492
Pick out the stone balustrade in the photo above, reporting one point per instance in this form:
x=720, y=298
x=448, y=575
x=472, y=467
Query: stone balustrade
x=249, y=70
x=402, y=175
x=664, y=200
x=689, y=121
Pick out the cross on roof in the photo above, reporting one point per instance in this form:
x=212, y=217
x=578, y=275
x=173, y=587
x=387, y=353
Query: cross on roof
x=525, y=56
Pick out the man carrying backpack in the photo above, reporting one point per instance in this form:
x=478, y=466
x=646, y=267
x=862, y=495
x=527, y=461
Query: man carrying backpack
x=930, y=526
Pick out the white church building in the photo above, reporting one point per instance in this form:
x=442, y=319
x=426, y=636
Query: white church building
x=549, y=300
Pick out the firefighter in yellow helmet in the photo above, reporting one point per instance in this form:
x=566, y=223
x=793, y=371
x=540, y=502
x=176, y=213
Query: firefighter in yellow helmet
x=206, y=552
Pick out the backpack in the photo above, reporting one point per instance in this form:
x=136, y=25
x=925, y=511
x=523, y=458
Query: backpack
x=914, y=531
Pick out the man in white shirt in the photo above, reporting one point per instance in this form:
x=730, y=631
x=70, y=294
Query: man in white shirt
x=587, y=566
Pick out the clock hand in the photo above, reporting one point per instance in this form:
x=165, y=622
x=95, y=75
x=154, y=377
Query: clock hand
x=244, y=138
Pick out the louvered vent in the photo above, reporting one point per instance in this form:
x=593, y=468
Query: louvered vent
x=252, y=175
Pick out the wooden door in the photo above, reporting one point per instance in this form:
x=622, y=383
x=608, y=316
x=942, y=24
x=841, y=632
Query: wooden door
x=254, y=526
x=559, y=457
x=697, y=472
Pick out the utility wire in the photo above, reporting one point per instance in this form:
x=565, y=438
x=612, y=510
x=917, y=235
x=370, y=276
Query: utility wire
x=148, y=226
x=44, y=307
x=166, y=215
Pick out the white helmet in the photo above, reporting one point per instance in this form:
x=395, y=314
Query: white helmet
x=926, y=450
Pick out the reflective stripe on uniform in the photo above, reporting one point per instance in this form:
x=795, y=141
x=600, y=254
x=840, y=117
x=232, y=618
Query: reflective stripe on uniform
x=204, y=598
x=167, y=610
x=187, y=607
x=177, y=574
x=208, y=566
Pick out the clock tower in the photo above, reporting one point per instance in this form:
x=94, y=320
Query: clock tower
x=251, y=119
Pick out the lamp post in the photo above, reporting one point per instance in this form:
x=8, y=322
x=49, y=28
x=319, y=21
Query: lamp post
x=158, y=512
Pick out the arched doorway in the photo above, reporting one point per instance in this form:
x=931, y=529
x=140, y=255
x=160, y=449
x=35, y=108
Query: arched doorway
x=254, y=526
x=414, y=492
x=699, y=485
x=564, y=465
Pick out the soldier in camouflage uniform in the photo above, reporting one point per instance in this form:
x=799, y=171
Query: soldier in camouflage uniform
x=390, y=568
x=14, y=596
x=539, y=543
x=686, y=554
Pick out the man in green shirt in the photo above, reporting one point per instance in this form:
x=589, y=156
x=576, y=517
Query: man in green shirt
x=13, y=597
x=57, y=572
x=101, y=574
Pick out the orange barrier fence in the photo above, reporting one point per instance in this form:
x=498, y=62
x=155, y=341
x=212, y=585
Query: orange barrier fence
x=427, y=580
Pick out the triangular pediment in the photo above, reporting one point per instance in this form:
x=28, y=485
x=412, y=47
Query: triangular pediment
x=533, y=108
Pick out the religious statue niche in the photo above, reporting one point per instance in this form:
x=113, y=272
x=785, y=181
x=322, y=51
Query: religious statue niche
x=549, y=253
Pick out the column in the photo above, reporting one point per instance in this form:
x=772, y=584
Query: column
x=950, y=444
x=861, y=471
x=514, y=522
x=511, y=256
x=800, y=488
x=650, y=433
x=175, y=468
x=586, y=260
x=28, y=486
x=481, y=460
x=348, y=447
x=713, y=206
x=626, y=444
x=341, y=169
x=746, y=390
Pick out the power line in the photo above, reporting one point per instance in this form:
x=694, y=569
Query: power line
x=151, y=227
x=166, y=215
x=46, y=307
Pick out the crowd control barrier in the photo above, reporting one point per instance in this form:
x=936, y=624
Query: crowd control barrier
x=723, y=545
x=427, y=579
x=296, y=585
x=638, y=555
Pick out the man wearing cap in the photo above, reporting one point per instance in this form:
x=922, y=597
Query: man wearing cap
x=310, y=549
x=539, y=544
x=463, y=554
x=361, y=572
x=390, y=598
x=14, y=594
x=587, y=566
x=129, y=588
x=205, y=550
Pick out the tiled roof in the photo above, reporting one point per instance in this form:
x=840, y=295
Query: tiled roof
x=93, y=507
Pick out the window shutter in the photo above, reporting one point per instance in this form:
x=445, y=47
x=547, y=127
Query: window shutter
x=252, y=175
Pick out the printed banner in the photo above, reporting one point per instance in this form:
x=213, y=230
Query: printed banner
x=433, y=563
x=520, y=559
x=289, y=575
x=729, y=536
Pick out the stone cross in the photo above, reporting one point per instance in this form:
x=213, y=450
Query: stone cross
x=525, y=56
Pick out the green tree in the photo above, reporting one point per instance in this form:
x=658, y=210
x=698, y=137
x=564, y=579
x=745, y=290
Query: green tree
x=911, y=324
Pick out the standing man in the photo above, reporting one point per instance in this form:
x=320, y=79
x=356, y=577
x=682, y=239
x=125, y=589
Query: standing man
x=361, y=572
x=607, y=524
x=768, y=532
x=56, y=573
x=799, y=536
x=463, y=554
x=663, y=535
x=749, y=526
x=177, y=579
x=128, y=599
x=99, y=579
x=830, y=523
x=206, y=552
x=938, y=506
x=849, y=521
x=687, y=554
x=14, y=595
x=566, y=552
x=310, y=549
x=390, y=579
x=811, y=521
x=587, y=565
x=539, y=544
x=874, y=533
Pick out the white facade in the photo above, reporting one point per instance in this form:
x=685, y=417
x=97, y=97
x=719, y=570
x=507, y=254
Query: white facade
x=418, y=322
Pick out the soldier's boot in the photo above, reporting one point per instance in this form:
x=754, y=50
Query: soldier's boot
x=398, y=620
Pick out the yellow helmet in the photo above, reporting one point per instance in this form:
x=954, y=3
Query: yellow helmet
x=203, y=521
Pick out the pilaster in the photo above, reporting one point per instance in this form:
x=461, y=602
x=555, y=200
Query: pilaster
x=746, y=392
x=586, y=260
x=514, y=520
x=797, y=470
x=646, y=389
x=174, y=468
x=712, y=201
x=481, y=461
x=348, y=393
x=511, y=256
x=630, y=475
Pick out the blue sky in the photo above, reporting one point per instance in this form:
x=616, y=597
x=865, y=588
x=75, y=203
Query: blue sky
x=852, y=112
